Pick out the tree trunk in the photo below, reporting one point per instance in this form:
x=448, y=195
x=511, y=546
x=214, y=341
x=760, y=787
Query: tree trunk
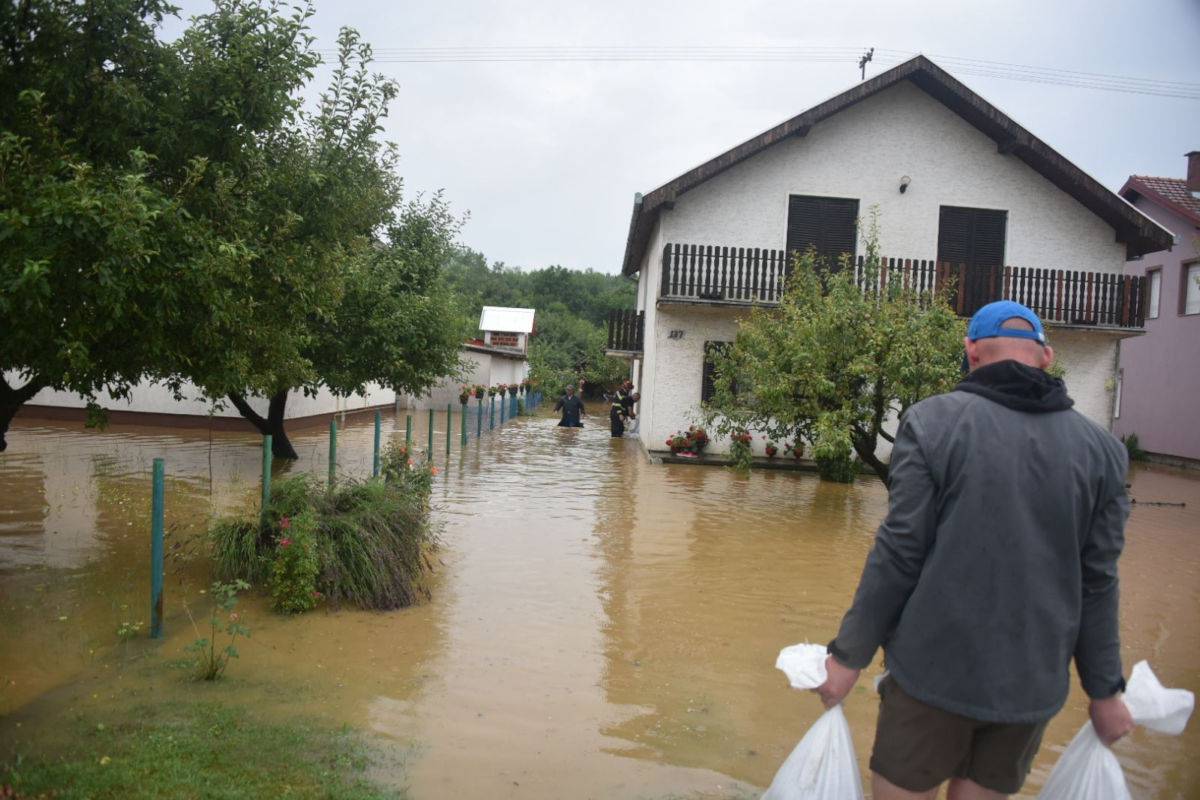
x=272, y=424
x=11, y=401
x=865, y=447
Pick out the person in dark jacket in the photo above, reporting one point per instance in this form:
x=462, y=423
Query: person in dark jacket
x=995, y=567
x=621, y=409
x=571, y=408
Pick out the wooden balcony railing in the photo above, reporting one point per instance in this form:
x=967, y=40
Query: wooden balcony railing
x=626, y=330
x=747, y=276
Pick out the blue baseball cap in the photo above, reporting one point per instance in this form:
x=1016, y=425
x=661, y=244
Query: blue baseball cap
x=988, y=322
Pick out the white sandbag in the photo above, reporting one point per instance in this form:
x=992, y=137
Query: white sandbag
x=822, y=766
x=1088, y=770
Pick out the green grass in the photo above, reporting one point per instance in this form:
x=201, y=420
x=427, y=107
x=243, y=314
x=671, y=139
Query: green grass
x=199, y=751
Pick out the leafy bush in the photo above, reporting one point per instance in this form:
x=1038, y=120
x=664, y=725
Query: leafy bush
x=1133, y=447
x=360, y=542
x=210, y=660
x=294, y=572
x=838, y=467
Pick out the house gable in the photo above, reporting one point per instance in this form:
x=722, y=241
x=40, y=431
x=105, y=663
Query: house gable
x=1133, y=229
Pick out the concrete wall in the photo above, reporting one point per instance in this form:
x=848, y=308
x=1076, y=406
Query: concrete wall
x=1160, y=387
x=487, y=369
x=862, y=153
x=149, y=398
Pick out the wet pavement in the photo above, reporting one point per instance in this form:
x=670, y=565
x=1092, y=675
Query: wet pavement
x=600, y=626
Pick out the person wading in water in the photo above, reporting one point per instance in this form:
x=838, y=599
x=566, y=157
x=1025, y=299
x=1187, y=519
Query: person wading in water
x=571, y=408
x=995, y=567
x=622, y=409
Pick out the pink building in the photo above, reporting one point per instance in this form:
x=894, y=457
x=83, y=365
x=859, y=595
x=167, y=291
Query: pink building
x=1158, y=387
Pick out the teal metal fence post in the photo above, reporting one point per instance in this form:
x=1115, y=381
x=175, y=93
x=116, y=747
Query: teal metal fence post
x=332, y=450
x=503, y=403
x=463, y=425
x=449, y=428
x=479, y=418
x=378, y=442
x=408, y=433
x=492, y=413
x=156, y=552
x=266, y=477
x=429, y=449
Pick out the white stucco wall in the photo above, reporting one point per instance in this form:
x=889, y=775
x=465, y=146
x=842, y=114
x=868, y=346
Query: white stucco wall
x=150, y=398
x=861, y=153
x=481, y=368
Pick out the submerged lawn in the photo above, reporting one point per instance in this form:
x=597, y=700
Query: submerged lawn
x=197, y=751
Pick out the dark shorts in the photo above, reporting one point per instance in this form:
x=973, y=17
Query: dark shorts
x=918, y=747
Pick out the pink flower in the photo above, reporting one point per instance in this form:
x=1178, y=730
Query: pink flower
x=233, y=616
x=284, y=542
x=434, y=470
x=285, y=523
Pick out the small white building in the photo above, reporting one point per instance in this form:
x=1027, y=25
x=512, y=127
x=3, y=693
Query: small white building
x=500, y=354
x=959, y=186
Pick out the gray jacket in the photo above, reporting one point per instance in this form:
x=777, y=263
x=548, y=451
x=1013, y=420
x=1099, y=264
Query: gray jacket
x=997, y=562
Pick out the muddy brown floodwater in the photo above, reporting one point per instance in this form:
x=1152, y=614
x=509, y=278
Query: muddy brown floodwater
x=600, y=627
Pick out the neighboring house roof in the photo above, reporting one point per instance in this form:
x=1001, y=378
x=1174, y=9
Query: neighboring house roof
x=506, y=320
x=479, y=347
x=1171, y=193
x=1139, y=233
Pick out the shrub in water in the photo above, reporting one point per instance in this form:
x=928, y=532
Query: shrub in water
x=294, y=571
x=359, y=542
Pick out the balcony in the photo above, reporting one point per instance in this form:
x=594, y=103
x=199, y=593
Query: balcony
x=745, y=276
x=626, y=330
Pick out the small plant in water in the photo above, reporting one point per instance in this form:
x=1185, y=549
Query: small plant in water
x=225, y=623
x=129, y=630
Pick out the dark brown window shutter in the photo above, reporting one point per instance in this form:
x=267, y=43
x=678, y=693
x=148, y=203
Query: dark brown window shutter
x=827, y=224
x=971, y=236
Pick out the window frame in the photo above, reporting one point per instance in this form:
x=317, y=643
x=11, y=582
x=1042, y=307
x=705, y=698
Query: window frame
x=1185, y=285
x=1153, y=302
x=707, y=385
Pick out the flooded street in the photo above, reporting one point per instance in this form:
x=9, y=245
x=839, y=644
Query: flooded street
x=600, y=626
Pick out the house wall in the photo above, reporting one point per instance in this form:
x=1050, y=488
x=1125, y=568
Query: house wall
x=862, y=153
x=1160, y=392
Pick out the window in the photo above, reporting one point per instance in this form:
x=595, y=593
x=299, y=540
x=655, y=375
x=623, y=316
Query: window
x=707, y=386
x=1154, y=276
x=971, y=236
x=1190, y=292
x=827, y=224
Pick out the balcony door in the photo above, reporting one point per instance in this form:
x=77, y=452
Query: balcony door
x=974, y=237
x=826, y=224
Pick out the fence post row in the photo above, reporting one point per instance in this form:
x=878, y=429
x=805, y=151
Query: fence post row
x=429, y=447
x=449, y=428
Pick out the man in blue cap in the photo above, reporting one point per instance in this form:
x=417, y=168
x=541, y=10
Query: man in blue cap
x=995, y=567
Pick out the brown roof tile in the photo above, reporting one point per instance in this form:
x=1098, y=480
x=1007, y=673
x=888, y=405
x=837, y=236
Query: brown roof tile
x=1171, y=192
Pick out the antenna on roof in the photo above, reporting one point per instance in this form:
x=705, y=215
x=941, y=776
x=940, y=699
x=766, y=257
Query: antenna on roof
x=862, y=62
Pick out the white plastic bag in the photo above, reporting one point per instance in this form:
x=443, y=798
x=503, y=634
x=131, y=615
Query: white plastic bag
x=1088, y=770
x=823, y=766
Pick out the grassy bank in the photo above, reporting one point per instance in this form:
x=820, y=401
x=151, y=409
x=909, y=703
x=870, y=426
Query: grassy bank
x=201, y=750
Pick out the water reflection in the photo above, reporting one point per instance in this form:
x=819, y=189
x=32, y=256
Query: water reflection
x=600, y=626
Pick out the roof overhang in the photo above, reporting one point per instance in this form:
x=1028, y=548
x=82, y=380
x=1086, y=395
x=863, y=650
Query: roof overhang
x=1134, y=188
x=1135, y=230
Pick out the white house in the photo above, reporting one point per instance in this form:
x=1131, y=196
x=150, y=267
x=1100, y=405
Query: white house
x=498, y=355
x=960, y=188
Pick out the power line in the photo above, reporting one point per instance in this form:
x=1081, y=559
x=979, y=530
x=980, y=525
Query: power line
x=701, y=53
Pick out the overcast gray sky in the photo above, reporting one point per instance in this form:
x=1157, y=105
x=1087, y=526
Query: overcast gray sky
x=546, y=157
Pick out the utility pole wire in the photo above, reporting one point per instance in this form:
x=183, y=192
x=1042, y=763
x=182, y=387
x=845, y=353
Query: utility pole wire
x=811, y=54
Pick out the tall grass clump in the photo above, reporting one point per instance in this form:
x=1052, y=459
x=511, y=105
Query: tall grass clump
x=363, y=543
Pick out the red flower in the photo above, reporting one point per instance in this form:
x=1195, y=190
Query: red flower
x=285, y=523
x=284, y=542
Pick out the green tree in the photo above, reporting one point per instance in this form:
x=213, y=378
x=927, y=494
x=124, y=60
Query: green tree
x=96, y=258
x=835, y=360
